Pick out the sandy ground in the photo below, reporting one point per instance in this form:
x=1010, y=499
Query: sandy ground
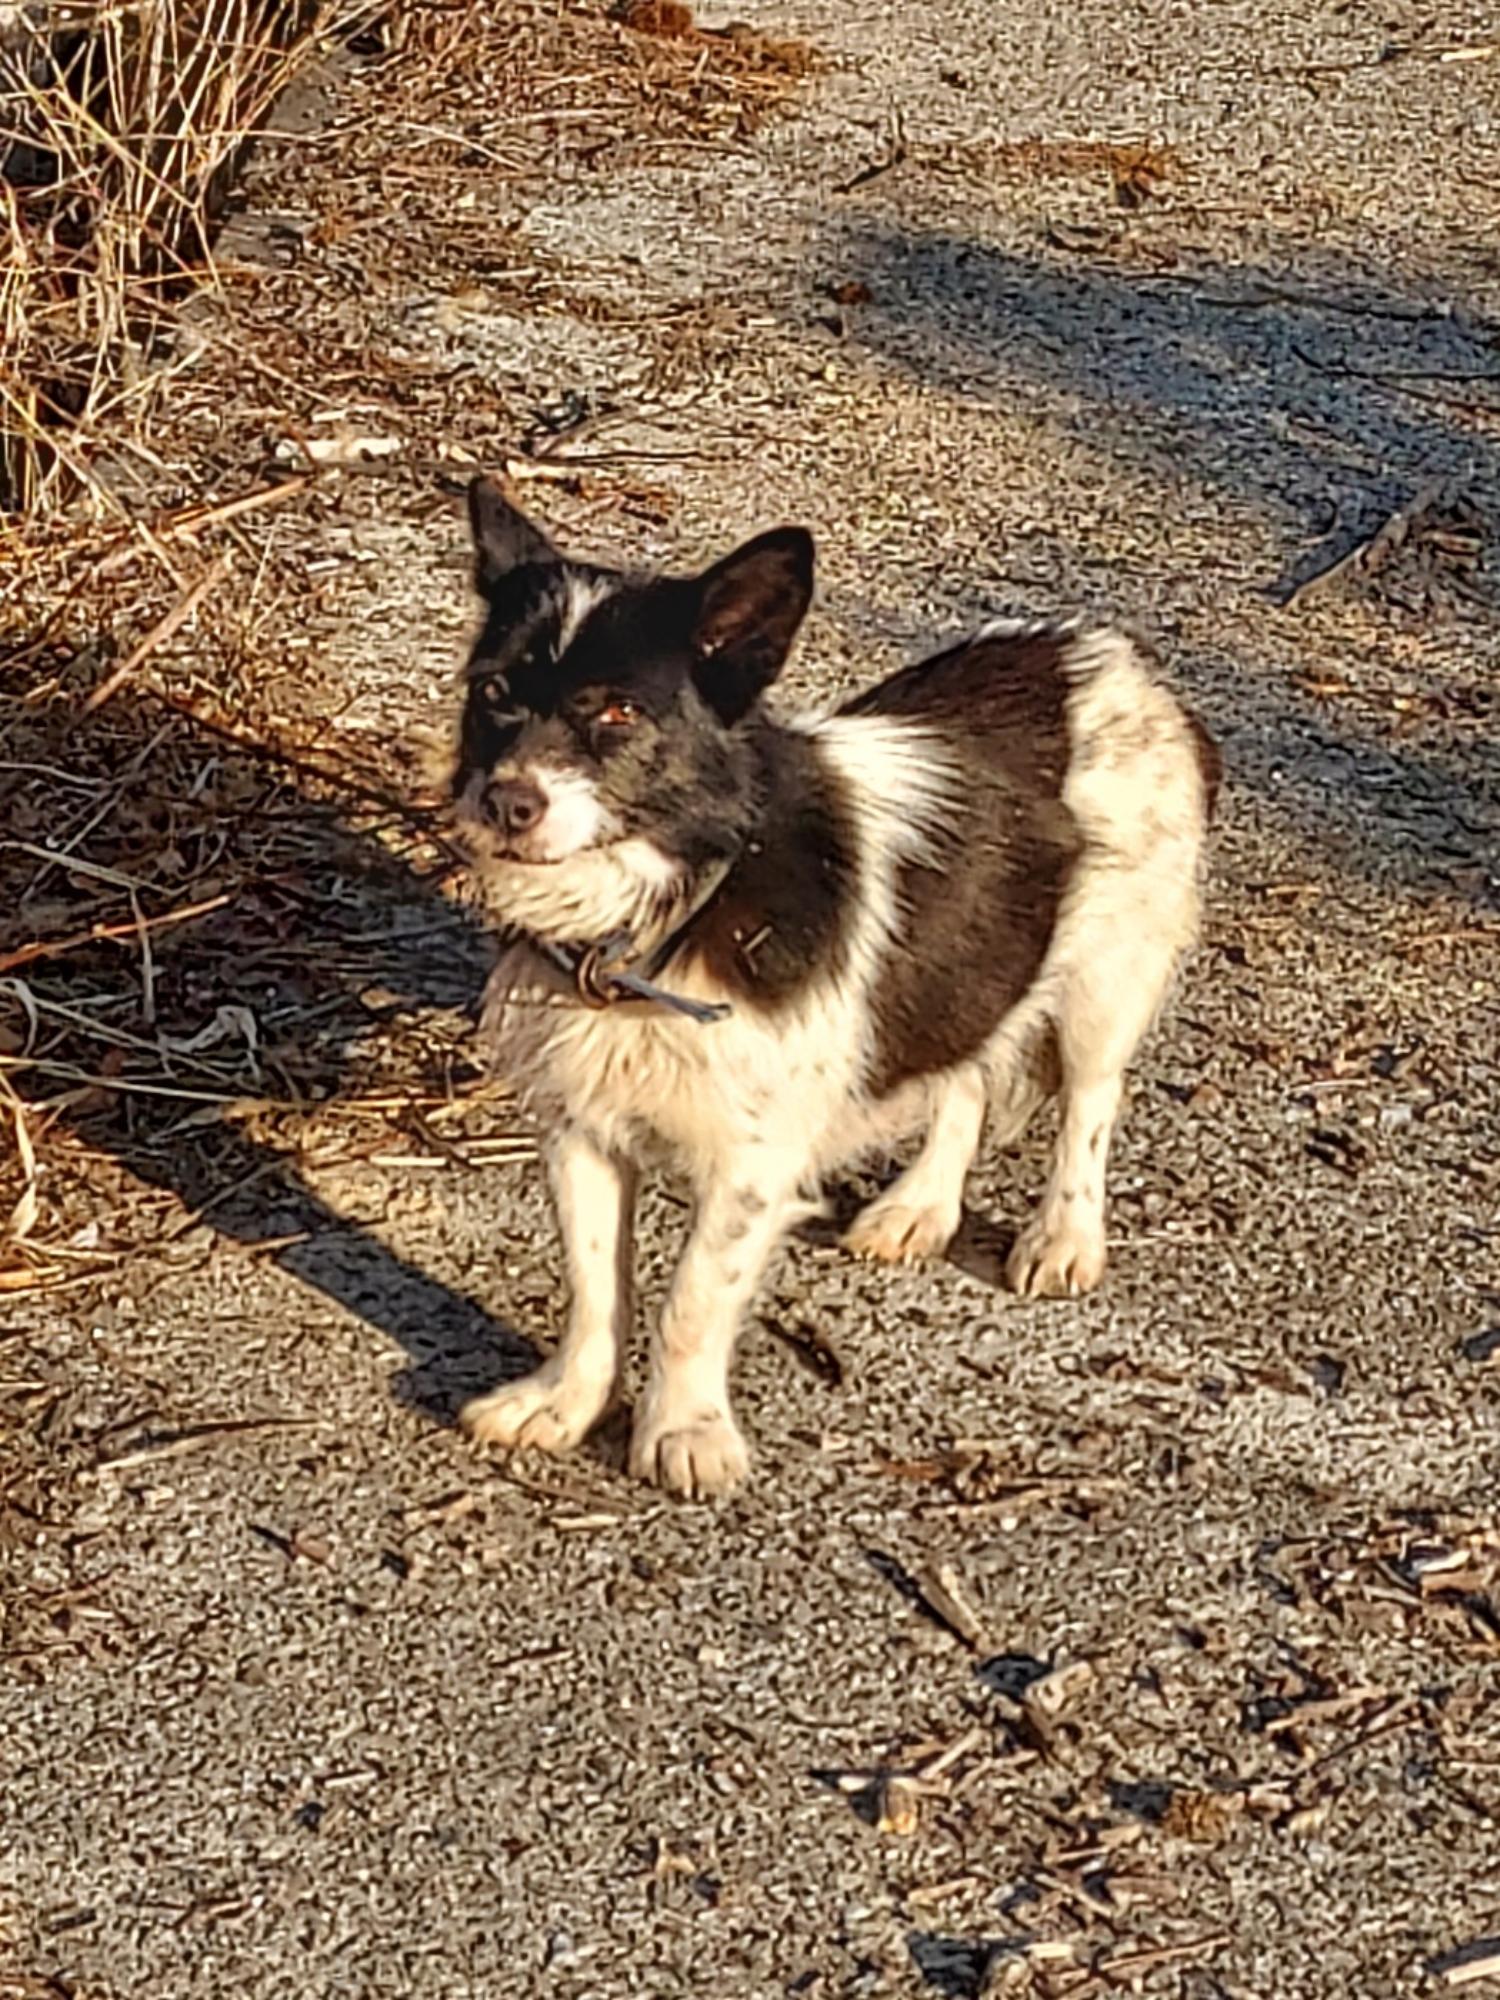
x=334, y=1706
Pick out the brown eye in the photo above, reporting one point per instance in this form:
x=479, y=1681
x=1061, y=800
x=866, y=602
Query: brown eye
x=495, y=692
x=618, y=715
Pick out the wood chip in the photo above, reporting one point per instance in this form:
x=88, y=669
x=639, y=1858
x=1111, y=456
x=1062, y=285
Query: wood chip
x=942, y=1892
x=1469, y=1963
x=1207, y=1817
x=944, y=1596
x=898, y=1805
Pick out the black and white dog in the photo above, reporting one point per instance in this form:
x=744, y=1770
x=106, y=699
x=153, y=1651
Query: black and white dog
x=765, y=947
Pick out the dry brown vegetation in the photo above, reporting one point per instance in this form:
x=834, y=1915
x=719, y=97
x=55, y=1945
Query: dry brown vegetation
x=121, y=126
x=165, y=409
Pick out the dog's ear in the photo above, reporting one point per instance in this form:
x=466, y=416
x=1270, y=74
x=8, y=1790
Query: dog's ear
x=749, y=608
x=503, y=537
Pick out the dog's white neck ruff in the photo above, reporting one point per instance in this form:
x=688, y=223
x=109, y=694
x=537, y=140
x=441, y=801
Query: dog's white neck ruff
x=629, y=885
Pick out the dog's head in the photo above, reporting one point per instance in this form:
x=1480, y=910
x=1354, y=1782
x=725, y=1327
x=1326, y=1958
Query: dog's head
x=608, y=716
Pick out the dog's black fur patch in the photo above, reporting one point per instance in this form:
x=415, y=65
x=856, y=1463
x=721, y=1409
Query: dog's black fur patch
x=974, y=929
x=782, y=916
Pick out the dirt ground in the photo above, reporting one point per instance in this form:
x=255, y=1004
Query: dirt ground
x=1162, y=310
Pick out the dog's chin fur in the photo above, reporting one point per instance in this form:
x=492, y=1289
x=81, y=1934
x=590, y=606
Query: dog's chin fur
x=628, y=885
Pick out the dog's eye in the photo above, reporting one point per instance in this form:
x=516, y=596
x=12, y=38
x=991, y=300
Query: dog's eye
x=494, y=691
x=617, y=715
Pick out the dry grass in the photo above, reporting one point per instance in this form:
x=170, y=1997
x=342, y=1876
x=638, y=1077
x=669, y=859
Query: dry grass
x=120, y=127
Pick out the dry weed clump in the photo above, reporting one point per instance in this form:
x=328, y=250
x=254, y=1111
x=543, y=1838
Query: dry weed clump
x=121, y=125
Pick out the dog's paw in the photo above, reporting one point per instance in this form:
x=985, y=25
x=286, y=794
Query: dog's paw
x=1055, y=1261
x=543, y=1410
x=695, y=1453
x=900, y=1232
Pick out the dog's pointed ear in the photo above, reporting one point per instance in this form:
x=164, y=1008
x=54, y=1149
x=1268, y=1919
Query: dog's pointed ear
x=749, y=608
x=503, y=537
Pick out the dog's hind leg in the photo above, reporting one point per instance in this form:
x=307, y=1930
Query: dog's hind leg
x=557, y=1403
x=685, y=1437
x=1061, y=1250
x=919, y=1213
x=1103, y=1010
x=1137, y=788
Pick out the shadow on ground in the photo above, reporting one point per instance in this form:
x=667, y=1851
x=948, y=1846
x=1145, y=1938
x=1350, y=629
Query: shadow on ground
x=1324, y=403
x=326, y=946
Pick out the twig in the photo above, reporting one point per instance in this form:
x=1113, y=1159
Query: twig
x=194, y=1216
x=190, y=519
x=1289, y=295
x=1479, y=1960
x=1365, y=554
x=1131, y=1964
x=175, y=1443
x=159, y=634
x=943, y=1594
x=75, y=864
x=134, y=1087
x=22, y=1218
x=136, y=927
x=873, y=169
x=1462, y=934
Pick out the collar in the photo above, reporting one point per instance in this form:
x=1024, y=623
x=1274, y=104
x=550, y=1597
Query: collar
x=602, y=977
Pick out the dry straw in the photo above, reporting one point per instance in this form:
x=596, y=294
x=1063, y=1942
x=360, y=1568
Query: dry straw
x=121, y=126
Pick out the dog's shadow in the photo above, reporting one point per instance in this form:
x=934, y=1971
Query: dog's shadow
x=325, y=942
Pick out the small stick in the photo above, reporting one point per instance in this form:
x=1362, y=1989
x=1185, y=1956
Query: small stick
x=191, y=519
x=55, y=947
x=176, y=1443
x=1479, y=1960
x=1131, y=1964
x=194, y=1216
x=930, y=1769
x=159, y=634
x=148, y=962
x=1365, y=554
x=943, y=1595
x=1324, y=1711
x=22, y=1218
x=75, y=864
x=895, y=156
x=128, y=1086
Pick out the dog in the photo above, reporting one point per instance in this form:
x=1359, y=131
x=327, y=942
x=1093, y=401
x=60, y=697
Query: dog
x=763, y=948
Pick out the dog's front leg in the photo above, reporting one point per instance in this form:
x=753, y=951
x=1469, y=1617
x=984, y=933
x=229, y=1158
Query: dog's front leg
x=685, y=1437
x=557, y=1403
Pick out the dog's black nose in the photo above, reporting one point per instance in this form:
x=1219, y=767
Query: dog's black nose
x=514, y=805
